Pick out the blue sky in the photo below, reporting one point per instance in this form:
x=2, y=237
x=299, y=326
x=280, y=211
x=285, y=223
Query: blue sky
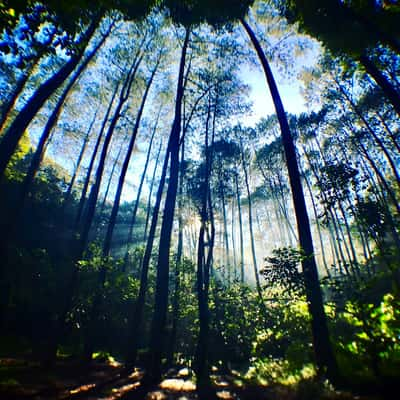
x=260, y=95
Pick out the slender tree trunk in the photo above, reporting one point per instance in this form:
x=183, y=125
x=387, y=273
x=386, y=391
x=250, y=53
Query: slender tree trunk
x=17, y=128
x=82, y=199
x=91, y=206
x=240, y=228
x=225, y=234
x=380, y=176
x=233, y=230
x=252, y=243
x=389, y=131
x=111, y=176
x=125, y=92
x=137, y=316
x=283, y=206
x=162, y=280
x=10, y=102
x=322, y=346
x=151, y=192
x=117, y=199
x=377, y=139
x=178, y=260
x=325, y=264
x=139, y=192
x=203, y=273
x=78, y=162
x=51, y=122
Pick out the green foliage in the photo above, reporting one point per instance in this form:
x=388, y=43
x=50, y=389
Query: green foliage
x=368, y=342
x=282, y=270
x=118, y=294
x=344, y=27
x=216, y=13
x=269, y=370
x=20, y=157
x=235, y=323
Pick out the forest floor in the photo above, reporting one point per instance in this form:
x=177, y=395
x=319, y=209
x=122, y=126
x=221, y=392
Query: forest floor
x=22, y=379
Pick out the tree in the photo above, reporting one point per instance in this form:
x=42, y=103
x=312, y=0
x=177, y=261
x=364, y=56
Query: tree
x=16, y=129
x=322, y=346
x=161, y=299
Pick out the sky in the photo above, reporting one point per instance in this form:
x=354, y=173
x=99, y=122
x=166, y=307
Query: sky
x=262, y=101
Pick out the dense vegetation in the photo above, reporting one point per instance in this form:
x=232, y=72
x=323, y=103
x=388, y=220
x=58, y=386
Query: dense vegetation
x=145, y=217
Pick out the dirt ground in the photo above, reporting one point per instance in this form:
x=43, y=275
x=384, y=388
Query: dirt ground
x=108, y=380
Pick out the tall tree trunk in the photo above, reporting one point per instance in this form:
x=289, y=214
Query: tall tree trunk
x=117, y=199
x=391, y=134
x=225, y=235
x=314, y=205
x=203, y=271
x=233, y=230
x=124, y=95
x=377, y=139
x=78, y=162
x=52, y=121
x=111, y=176
x=82, y=199
x=240, y=228
x=94, y=193
x=379, y=174
x=153, y=178
x=252, y=243
x=322, y=346
x=137, y=316
x=10, y=102
x=17, y=128
x=162, y=280
x=139, y=192
x=178, y=260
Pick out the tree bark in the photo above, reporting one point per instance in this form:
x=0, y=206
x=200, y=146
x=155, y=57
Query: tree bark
x=91, y=206
x=78, y=162
x=162, y=280
x=82, y=199
x=153, y=178
x=242, y=276
x=137, y=316
x=117, y=199
x=139, y=192
x=251, y=232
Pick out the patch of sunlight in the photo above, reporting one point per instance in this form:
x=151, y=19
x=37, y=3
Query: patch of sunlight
x=225, y=395
x=157, y=395
x=177, y=385
x=82, y=388
x=238, y=382
x=102, y=355
x=222, y=383
x=121, y=391
x=307, y=372
x=136, y=374
x=113, y=362
x=183, y=372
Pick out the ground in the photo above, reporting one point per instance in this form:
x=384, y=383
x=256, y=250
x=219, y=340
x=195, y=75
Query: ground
x=22, y=379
